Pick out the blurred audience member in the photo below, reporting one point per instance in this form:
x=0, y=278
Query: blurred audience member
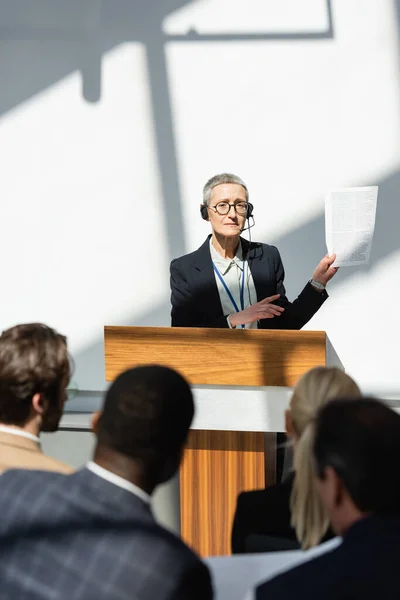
x=291, y=511
x=357, y=454
x=92, y=534
x=34, y=374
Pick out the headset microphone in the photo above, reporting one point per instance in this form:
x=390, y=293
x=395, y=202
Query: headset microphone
x=249, y=226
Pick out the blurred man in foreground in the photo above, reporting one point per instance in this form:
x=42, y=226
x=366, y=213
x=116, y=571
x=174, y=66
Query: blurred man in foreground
x=357, y=452
x=92, y=534
x=34, y=374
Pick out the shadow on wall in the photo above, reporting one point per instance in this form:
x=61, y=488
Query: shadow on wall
x=48, y=40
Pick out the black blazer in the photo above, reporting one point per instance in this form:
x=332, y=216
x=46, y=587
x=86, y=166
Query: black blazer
x=195, y=298
x=265, y=512
x=364, y=567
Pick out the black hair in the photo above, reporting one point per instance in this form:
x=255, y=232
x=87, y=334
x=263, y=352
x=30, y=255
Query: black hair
x=147, y=414
x=361, y=442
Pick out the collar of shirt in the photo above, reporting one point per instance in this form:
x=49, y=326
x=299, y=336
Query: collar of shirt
x=19, y=432
x=119, y=481
x=224, y=264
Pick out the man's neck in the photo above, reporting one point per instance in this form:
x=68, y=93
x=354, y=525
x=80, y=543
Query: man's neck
x=349, y=517
x=225, y=246
x=123, y=466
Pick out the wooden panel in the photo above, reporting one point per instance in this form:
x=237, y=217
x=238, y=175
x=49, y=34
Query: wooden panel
x=217, y=356
x=217, y=465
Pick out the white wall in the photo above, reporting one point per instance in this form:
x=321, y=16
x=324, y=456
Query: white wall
x=112, y=116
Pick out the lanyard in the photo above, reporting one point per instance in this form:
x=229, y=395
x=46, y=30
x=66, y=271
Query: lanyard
x=231, y=298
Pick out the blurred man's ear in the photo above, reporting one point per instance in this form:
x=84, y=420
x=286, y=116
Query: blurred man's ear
x=331, y=489
x=39, y=403
x=94, y=420
x=339, y=489
x=171, y=465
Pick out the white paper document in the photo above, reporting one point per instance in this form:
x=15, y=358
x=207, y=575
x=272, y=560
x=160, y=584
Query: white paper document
x=350, y=223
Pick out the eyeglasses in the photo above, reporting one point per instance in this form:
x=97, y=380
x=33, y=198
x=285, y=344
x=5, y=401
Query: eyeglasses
x=223, y=208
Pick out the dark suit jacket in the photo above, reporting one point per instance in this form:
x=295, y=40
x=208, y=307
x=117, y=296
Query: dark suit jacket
x=265, y=512
x=81, y=537
x=195, y=298
x=364, y=567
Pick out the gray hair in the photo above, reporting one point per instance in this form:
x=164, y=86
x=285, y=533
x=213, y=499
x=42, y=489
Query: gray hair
x=218, y=180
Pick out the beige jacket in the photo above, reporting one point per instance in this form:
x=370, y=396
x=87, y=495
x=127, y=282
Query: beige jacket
x=18, y=452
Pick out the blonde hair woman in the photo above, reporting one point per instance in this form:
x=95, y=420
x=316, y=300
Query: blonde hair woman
x=312, y=391
x=292, y=509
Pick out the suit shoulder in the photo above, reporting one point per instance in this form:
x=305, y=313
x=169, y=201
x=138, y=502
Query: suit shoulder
x=28, y=484
x=20, y=478
x=273, y=254
x=270, y=249
x=320, y=572
x=52, y=464
x=271, y=496
x=167, y=554
x=170, y=558
x=188, y=260
x=184, y=261
x=263, y=252
x=165, y=548
x=257, y=246
x=177, y=546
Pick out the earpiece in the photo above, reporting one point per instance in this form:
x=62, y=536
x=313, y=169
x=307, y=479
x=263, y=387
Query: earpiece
x=204, y=211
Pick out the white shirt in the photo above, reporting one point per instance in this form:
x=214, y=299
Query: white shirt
x=231, y=269
x=20, y=432
x=119, y=481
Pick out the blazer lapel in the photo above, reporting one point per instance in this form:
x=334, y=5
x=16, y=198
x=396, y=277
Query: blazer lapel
x=259, y=266
x=204, y=280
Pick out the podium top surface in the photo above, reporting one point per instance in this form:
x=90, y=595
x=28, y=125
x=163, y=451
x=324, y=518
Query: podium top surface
x=219, y=356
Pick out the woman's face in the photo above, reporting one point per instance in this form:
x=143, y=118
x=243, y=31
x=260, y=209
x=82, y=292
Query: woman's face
x=231, y=224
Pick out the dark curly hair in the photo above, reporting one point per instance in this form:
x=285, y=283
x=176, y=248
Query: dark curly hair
x=147, y=414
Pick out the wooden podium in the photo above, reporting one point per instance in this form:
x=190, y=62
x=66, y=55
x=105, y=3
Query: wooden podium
x=220, y=462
